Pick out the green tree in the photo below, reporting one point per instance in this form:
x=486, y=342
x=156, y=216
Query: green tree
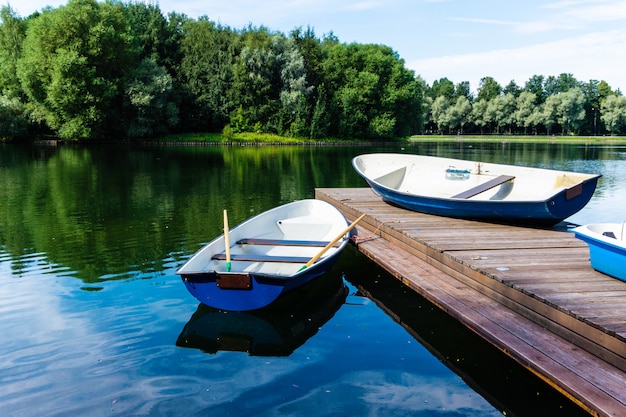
x=549, y=112
x=488, y=89
x=73, y=68
x=372, y=94
x=12, y=34
x=355, y=98
x=535, y=85
x=459, y=113
x=256, y=77
x=295, y=114
x=206, y=73
x=150, y=30
x=440, y=113
x=526, y=104
x=509, y=107
x=495, y=112
x=150, y=110
x=443, y=87
x=570, y=111
x=13, y=113
x=614, y=113
x=463, y=89
x=479, y=114
x=512, y=88
x=321, y=118
x=13, y=123
x=535, y=119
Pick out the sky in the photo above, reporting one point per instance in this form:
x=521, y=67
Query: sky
x=462, y=40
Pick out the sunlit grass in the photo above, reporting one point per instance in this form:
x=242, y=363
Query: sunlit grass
x=267, y=138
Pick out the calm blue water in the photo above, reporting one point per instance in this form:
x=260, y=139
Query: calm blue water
x=95, y=322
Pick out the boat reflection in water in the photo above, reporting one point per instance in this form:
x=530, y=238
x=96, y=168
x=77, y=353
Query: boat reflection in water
x=276, y=330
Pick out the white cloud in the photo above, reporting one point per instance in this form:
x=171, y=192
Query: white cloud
x=599, y=56
x=363, y=5
x=485, y=21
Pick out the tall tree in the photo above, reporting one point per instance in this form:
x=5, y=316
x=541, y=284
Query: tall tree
x=509, y=107
x=462, y=89
x=549, y=112
x=535, y=85
x=479, y=114
x=440, y=113
x=443, y=87
x=458, y=114
x=571, y=109
x=12, y=34
x=150, y=108
x=488, y=89
x=373, y=94
x=73, y=67
x=614, y=113
x=512, y=88
x=525, y=107
x=206, y=73
x=295, y=114
x=256, y=82
x=13, y=114
x=496, y=112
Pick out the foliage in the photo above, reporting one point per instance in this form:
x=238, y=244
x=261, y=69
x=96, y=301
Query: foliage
x=614, y=112
x=149, y=108
x=110, y=69
x=72, y=67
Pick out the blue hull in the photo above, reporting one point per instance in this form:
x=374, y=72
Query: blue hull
x=606, y=256
x=543, y=213
x=260, y=290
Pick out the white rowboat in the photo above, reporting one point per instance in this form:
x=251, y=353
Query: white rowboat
x=476, y=190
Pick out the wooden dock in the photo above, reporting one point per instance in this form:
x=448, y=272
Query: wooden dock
x=530, y=292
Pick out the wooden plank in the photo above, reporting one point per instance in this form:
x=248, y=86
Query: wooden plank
x=283, y=242
x=481, y=188
x=262, y=258
x=560, y=318
x=539, y=350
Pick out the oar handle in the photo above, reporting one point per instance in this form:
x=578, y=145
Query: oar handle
x=227, y=241
x=332, y=242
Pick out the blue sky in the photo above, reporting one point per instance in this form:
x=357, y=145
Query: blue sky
x=463, y=40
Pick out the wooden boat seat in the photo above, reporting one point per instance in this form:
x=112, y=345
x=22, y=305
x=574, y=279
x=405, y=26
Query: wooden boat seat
x=262, y=258
x=284, y=242
x=481, y=188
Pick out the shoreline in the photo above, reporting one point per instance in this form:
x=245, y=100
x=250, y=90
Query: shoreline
x=585, y=140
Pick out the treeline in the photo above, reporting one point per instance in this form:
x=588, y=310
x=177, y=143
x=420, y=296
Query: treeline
x=123, y=70
x=552, y=105
x=113, y=69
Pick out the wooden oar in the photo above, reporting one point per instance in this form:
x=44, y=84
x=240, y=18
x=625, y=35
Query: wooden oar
x=227, y=242
x=332, y=243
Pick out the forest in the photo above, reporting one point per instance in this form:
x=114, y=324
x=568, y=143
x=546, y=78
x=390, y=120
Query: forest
x=122, y=70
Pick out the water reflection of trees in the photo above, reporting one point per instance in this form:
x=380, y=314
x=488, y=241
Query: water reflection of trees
x=118, y=212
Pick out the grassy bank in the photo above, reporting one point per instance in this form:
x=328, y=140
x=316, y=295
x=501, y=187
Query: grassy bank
x=247, y=137
x=262, y=138
x=517, y=138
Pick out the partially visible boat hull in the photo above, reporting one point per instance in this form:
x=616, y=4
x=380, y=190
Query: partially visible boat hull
x=268, y=256
x=607, y=247
x=543, y=213
x=443, y=187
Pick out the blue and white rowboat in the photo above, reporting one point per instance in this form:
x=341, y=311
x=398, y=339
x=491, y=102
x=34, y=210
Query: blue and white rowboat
x=476, y=190
x=268, y=255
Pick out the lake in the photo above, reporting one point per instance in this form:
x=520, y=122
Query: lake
x=94, y=320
